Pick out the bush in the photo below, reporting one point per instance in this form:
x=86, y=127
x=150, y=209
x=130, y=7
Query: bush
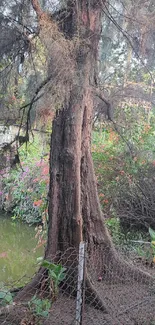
x=126, y=182
x=135, y=203
x=25, y=188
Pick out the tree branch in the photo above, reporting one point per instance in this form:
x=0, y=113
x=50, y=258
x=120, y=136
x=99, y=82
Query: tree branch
x=37, y=8
x=100, y=95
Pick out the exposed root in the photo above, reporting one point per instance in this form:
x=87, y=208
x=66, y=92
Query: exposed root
x=32, y=287
x=125, y=272
x=92, y=297
x=114, y=270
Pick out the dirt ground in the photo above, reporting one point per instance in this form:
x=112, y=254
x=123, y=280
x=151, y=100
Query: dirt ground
x=126, y=304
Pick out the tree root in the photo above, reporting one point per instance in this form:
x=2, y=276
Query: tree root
x=116, y=270
x=92, y=297
x=32, y=287
x=122, y=271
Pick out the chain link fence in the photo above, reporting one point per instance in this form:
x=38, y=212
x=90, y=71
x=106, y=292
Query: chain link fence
x=62, y=295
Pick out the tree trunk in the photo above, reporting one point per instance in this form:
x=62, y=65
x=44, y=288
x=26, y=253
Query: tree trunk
x=73, y=192
x=74, y=209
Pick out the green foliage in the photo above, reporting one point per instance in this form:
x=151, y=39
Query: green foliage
x=144, y=252
x=125, y=240
x=117, y=171
x=25, y=189
x=113, y=225
x=5, y=297
x=125, y=184
x=56, y=273
x=39, y=307
x=152, y=234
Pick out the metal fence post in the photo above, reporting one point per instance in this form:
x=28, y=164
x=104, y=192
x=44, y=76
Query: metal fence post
x=80, y=287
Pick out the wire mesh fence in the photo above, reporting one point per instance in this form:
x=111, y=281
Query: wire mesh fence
x=127, y=290
x=79, y=288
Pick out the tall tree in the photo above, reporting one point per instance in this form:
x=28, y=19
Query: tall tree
x=71, y=38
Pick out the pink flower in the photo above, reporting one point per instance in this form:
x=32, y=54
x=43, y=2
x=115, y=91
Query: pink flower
x=35, y=180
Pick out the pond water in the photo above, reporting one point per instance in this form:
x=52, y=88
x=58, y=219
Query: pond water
x=18, y=252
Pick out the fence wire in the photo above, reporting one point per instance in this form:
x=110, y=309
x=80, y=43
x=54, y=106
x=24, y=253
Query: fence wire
x=127, y=298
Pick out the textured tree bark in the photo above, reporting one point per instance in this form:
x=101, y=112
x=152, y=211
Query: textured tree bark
x=74, y=209
x=69, y=218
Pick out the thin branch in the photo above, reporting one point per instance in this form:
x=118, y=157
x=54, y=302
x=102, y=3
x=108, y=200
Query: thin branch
x=34, y=100
x=19, y=23
x=37, y=8
x=34, y=129
x=36, y=97
x=128, y=17
x=125, y=34
x=100, y=95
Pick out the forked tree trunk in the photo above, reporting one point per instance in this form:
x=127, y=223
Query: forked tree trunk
x=74, y=209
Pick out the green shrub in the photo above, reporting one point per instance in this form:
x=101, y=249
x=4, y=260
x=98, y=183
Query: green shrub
x=5, y=297
x=25, y=188
x=39, y=307
x=126, y=182
x=56, y=273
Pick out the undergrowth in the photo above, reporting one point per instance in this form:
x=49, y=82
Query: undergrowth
x=25, y=188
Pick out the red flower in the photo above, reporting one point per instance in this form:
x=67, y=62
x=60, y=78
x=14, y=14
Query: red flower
x=37, y=203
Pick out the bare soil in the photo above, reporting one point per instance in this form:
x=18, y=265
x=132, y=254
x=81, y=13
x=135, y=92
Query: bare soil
x=126, y=304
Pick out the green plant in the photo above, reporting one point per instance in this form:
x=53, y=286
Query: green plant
x=152, y=235
x=113, y=225
x=56, y=274
x=145, y=253
x=119, y=173
x=25, y=189
x=39, y=307
x=5, y=297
